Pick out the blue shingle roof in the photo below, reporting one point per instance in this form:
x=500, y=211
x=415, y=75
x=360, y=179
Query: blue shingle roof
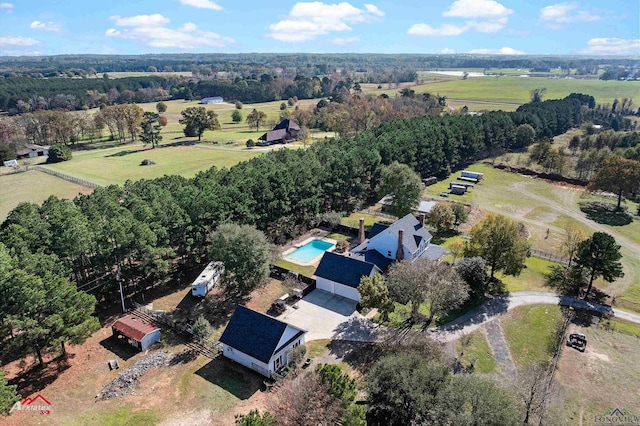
x=372, y=256
x=255, y=334
x=376, y=229
x=342, y=269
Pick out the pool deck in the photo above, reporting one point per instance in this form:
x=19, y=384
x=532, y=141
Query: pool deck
x=316, y=259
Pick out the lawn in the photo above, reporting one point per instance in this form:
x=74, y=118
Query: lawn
x=34, y=187
x=516, y=89
x=532, y=277
x=119, y=164
x=474, y=349
x=307, y=271
x=530, y=333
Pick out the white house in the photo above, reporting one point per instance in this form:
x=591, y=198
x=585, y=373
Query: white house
x=139, y=333
x=341, y=275
x=259, y=341
x=212, y=100
x=406, y=238
x=207, y=279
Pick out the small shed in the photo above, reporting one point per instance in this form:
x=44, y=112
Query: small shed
x=139, y=333
x=212, y=100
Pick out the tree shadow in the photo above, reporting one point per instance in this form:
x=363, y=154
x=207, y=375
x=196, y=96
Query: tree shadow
x=490, y=309
x=234, y=378
x=606, y=213
x=39, y=377
x=357, y=330
x=440, y=237
x=359, y=355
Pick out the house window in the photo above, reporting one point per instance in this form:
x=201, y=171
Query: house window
x=389, y=253
x=277, y=363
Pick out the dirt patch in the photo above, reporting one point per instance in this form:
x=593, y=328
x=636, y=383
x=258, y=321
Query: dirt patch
x=598, y=357
x=261, y=298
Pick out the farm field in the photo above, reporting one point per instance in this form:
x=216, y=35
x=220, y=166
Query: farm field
x=119, y=164
x=516, y=89
x=34, y=187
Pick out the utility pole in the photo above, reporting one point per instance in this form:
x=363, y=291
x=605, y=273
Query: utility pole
x=118, y=278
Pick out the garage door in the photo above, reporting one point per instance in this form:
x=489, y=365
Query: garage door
x=348, y=292
x=324, y=284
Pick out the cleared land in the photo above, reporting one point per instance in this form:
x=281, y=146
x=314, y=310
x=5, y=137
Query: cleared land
x=34, y=187
x=119, y=164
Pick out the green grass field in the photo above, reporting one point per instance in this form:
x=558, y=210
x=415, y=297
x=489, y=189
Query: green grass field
x=516, y=89
x=532, y=277
x=33, y=187
x=476, y=351
x=119, y=164
x=529, y=333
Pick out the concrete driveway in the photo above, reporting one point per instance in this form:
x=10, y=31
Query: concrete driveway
x=328, y=316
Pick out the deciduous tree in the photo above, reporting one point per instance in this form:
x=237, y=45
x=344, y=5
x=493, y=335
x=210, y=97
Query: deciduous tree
x=403, y=185
x=246, y=255
x=256, y=118
x=375, y=294
x=573, y=236
x=473, y=272
x=236, y=116
x=198, y=119
x=499, y=242
x=161, y=107
x=151, y=129
x=441, y=217
x=618, y=175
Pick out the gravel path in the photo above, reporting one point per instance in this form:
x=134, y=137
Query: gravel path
x=499, y=347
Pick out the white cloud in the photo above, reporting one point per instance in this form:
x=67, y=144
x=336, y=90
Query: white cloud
x=426, y=30
x=18, y=41
x=502, y=51
x=202, y=4
x=559, y=14
x=45, y=26
x=447, y=51
x=309, y=20
x=151, y=30
x=612, y=46
x=477, y=9
x=140, y=20
x=341, y=41
x=485, y=16
x=6, y=6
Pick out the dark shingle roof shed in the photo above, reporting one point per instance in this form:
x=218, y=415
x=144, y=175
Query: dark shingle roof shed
x=342, y=269
x=256, y=334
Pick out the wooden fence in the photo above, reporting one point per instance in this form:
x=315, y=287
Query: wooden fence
x=67, y=177
x=552, y=257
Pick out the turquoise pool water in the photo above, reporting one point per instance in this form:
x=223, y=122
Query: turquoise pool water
x=310, y=251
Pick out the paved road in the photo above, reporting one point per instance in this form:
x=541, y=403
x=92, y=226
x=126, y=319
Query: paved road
x=499, y=347
x=501, y=304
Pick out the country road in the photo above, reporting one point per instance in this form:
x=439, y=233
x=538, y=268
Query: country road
x=473, y=319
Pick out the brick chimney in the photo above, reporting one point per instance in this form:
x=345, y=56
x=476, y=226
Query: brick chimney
x=400, y=252
x=421, y=219
x=361, y=231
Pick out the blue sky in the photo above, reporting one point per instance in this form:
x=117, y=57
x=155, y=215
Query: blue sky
x=47, y=27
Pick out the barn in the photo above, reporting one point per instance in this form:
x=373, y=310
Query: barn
x=212, y=100
x=341, y=275
x=139, y=333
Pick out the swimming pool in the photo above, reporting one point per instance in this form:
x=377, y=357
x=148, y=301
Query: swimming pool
x=310, y=251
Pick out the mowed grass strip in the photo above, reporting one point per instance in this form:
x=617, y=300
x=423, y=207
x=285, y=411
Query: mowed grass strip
x=530, y=333
x=516, y=89
x=475, y=351
x=117, y=165
x=34, y=187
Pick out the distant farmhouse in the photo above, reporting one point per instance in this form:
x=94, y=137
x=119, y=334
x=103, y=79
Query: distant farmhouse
x=212, y=100
x=33, y=151
x=285, y=131
x=259, y=341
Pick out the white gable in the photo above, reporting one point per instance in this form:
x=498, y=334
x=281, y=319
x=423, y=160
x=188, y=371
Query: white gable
x=288, y=334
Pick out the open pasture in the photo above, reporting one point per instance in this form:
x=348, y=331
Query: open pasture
x=34, y=187
x=119, y=164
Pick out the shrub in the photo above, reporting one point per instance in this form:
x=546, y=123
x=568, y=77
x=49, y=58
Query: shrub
x=202, y=328
x=59, y=153
x=283, y=106
x=238, y=105
x=250, y=143
x=342, y=246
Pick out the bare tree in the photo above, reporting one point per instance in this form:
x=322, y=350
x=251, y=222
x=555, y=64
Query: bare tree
x=529, y=386
x=305, y=400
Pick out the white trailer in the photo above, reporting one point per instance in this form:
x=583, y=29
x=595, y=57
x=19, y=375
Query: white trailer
x=472, y=175
x=207, y=279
